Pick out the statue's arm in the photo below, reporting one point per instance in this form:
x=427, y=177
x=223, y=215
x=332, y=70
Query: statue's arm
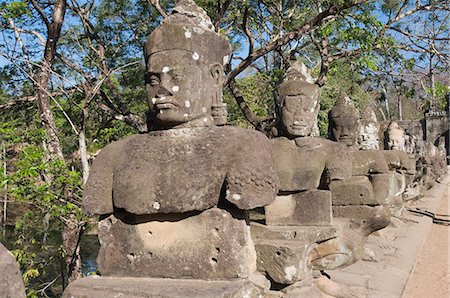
x=97, y=197
x=251, y=180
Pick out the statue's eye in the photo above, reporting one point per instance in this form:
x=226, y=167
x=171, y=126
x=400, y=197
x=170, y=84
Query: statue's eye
x=153, y=80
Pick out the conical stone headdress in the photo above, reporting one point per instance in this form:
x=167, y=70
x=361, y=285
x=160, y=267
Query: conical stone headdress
x=189, y=28
x=344, y=108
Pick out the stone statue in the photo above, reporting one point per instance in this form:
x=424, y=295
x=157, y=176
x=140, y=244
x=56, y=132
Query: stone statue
x=301, y=215
x=343, y=121
x=396, y=137
x=368, y=138
x=173, y=201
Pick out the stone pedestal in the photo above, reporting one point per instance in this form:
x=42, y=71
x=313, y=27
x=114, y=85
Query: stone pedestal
x=106, y=287
x=356, y=190
x=210, y=246
x=302, y=209
x=283, y=251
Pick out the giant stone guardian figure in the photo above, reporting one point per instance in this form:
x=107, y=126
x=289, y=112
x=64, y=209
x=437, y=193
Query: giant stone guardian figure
x=172, y=202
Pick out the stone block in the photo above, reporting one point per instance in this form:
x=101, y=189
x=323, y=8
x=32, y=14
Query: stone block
x=304, y=208
x=106, y=287
x=11, y=283
x=386, y=186
x=306, y=234
x=211, y=245
x=368, y=162
x=355, y=190
x=354, y=212
x=285, y=262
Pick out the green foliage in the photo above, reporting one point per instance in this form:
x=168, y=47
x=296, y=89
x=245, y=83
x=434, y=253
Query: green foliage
x=48, y=192
x=344, y=78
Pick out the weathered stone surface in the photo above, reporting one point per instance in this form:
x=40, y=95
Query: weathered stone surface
x=285, y=262
x=357, y=212
x=356, y=190
x=299, y=99
x=343, y=121
x=368, y=162
x=211, y=246
x=399, y=160
x=11, y=283
x=385, y=187
x=306, y=234
x=396, y=137
x=348, y=246
x=182, y=170
x=107, y=287
x=311, y=207
x=369, y=128
x=300, y=164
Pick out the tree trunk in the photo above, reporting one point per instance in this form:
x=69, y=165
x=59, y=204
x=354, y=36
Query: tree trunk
x=43, y=78
x=71, y=235
x=83, y=155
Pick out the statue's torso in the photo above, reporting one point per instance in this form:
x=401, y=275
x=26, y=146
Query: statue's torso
x=183, y=170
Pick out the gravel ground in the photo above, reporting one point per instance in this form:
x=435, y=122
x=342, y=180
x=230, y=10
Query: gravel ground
x=431, y=277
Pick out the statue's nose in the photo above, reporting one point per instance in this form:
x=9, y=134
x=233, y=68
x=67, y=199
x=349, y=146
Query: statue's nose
x=163, y=91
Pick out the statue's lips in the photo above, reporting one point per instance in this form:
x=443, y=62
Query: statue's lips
x=299, y=126
x=165, y=105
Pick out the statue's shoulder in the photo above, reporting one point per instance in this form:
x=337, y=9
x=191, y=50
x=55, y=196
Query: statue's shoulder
x=243, y=136
x=117, y=147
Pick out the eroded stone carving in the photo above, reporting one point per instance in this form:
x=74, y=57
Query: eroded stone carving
x=173, y=200
x=396, y=137
x=343, y=121
x=368, y=138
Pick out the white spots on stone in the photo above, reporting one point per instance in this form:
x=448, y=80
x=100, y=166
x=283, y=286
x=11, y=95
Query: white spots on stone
x=224, y=215
x=156, y=205
x=161, y=111
x=166, y=69
x=228, y=191
x=295, y=122
x=290, y=272
x=204, y=110
x=153, y=100
x=195, y=56
x=205, y=120
x=312, y=110
x=315, y=103
x=197, y=30
x=175, y=88
x=187, y=103
x=225, y=59
x=187, y=34
x=185, y=115
x=236, y=197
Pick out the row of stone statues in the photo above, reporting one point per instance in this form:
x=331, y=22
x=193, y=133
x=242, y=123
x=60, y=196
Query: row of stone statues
x=196, y=209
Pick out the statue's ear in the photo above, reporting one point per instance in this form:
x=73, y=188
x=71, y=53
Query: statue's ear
x=217, y=72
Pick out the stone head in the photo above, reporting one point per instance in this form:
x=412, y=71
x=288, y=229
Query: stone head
x=299, y=103
x=184, y=70
x=368, y=138
x=396, y=137
x=343, y=121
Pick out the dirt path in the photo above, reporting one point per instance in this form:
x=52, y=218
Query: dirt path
x=431, y=277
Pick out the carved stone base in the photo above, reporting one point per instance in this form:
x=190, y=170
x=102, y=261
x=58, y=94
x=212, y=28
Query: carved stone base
x=211, y=245
x=356, y=190
x=106, y=287
x=311, y=207
x=283, y=251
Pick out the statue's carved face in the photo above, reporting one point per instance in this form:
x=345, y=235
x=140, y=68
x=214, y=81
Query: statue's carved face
x=396, y=140
x=179, y=88
x=344, y=130
x=368, y=137
x=299, y=111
